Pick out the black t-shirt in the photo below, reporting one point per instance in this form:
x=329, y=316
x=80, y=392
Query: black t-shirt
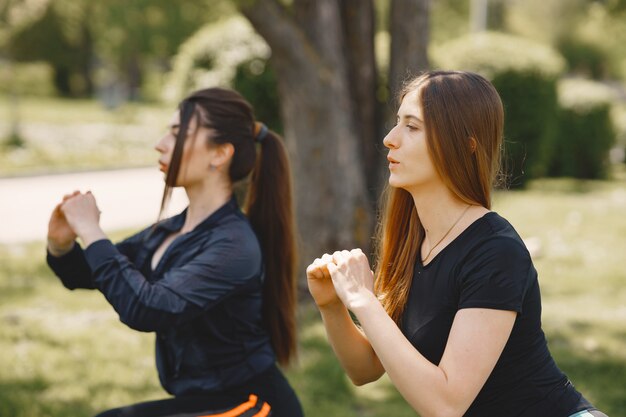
x=488, y=266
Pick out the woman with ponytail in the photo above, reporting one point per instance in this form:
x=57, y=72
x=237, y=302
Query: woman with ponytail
x=215, y=283
x=453, y=312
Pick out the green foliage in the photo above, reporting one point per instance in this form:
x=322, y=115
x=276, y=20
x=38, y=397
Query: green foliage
x=605, y=29
x=586, y=132
x=450, y=19
x=239, y=61
x=590, y=34
x=545, y=21
x=209, y=58
x=493, y=53
x=619, y=121
x=46, y=40
x=256, y=81
x=90, y=43
x=530, y=124
x=584, y=58
x=525, y=74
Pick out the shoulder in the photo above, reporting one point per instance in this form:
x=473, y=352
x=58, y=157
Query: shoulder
x=496, y=269
x=234, y=239
x=494, y=235
x=237, y=229
x=495, y=248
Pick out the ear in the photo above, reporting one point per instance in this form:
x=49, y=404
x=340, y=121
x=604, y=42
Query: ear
x=222, y=154
x=472, y=144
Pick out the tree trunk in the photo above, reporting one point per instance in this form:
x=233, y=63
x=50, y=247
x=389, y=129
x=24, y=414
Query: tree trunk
x=317, y=110
x=409, y=29
x=359, y=26
x=324, y=57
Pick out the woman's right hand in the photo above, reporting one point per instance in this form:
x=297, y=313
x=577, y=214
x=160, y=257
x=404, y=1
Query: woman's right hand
x=61, y=237
x=320, y=283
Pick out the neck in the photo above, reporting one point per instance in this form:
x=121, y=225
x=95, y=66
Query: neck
x=437, y=209
x=204, y=200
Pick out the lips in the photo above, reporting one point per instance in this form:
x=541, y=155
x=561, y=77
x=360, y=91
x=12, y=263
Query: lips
x=391, y=160
x=162, y=166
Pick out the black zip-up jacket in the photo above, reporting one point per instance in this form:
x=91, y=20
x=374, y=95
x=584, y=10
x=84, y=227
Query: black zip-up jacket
x=203, y=299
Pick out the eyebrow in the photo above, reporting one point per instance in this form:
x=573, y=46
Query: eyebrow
x=408, y=116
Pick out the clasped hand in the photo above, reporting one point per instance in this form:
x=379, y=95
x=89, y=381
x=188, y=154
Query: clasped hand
x=345, y=276
x=76, y=215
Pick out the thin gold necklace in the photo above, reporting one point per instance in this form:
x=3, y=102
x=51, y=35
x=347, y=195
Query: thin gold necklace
x=447, y=233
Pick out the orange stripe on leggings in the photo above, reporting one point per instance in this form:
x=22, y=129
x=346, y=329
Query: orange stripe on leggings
x=237, y=410
x=265, y=411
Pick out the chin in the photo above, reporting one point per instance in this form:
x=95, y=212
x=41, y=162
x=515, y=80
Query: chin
x=395, y=182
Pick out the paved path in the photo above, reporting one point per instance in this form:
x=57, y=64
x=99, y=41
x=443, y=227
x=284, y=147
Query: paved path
x=128, y=198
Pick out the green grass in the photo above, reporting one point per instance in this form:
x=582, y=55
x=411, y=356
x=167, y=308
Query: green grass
x=66, y=134
x=65, y=354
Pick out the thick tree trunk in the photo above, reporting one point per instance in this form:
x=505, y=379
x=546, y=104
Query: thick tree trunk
x=409, y=29
x=323, y=54
x=359, y=27
x=317, y=109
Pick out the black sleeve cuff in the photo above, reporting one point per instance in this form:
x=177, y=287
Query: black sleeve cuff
x=59, y=261
x=99, y=252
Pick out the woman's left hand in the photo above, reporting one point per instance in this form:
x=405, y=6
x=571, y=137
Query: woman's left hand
x=83, y=216
x=352, y=277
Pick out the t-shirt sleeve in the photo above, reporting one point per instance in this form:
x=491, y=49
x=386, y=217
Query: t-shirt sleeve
x=495, y=275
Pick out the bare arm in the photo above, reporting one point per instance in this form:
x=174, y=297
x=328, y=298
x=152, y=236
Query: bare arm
x=476, y=341
x=352, y=348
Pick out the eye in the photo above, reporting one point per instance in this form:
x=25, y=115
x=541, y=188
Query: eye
x=412, y=128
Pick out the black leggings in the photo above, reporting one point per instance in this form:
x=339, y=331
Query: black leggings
x=270, y=386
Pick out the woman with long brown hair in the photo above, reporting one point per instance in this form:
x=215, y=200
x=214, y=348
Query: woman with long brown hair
x=209, y=282
x=453, y=312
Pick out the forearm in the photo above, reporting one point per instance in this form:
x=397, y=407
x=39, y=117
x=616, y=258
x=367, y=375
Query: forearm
x=424, y=385
x=91, y=235
x=57, y=250
x=350, y=345
x=71, y=268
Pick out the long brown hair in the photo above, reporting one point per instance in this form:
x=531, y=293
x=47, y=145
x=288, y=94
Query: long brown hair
x=459, y=109
x=268, y=203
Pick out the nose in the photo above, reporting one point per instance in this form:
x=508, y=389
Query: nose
x=390, y=139
x=163, y=144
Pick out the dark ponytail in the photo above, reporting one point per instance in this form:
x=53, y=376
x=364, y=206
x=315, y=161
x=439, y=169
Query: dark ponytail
x=268, y=204
x=269, y=207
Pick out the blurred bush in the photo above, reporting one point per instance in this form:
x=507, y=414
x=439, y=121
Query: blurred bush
x=525, y=74
x=33, y=79
x=586, y=132
x=228, y=54
x=256, y=81
x=211, y=56
x=584, y=58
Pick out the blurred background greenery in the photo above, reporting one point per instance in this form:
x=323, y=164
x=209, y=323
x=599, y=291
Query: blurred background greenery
x=91, y=85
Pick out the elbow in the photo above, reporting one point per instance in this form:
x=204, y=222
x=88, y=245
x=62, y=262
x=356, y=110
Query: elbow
x=360, y=380
x=138, y=327
x=445, y=410
x=73, y=286
x=138, y=318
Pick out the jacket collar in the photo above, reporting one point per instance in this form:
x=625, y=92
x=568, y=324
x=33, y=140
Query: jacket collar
x=175, y=223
